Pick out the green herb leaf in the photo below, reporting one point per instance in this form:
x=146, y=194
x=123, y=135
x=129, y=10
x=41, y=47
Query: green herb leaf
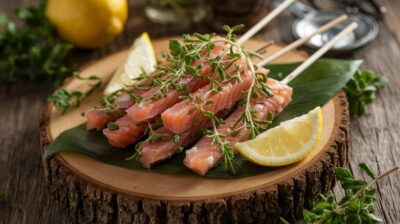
x=175, y=138
x=361, y=90
x=112, y=126
x=368, y=170
x=237, y=27
x=175, y=47
x=343, y=173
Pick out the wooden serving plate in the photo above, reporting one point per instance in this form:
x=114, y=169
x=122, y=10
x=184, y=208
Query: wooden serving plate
x=97, y=192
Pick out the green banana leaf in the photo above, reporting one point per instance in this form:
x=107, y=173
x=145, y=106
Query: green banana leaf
x=315, y=87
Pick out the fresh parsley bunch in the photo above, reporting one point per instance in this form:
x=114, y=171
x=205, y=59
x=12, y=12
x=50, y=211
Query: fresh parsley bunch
x=32, y=51
x=361, y=90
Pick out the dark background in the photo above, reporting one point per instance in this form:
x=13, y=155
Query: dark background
x=374, y=138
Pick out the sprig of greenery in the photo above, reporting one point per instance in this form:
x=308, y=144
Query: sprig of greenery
x=361, y=90
x=32, y=51
x=357, y=206
x=63, y=99
x=153, y=136
x=229, y=163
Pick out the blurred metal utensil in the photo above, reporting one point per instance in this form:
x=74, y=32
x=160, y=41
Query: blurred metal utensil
x=311, y=19
x=368, y=7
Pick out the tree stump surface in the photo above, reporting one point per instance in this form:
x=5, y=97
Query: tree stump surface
x=96, y=192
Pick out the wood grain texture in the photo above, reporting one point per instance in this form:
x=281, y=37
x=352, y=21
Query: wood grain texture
x=375, y=136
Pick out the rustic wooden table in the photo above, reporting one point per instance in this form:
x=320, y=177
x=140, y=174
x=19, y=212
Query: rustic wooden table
x=375, y=136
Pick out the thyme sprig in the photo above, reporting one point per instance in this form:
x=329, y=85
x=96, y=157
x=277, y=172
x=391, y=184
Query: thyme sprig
x=357, y=206
x=107, y=103
x=229, y=163
x=153, y=136
x=63, y=99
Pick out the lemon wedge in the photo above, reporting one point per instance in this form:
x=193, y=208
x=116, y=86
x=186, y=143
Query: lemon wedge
x=285, y=144
x=141, y=58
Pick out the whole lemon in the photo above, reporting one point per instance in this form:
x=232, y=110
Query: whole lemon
x=87, y=23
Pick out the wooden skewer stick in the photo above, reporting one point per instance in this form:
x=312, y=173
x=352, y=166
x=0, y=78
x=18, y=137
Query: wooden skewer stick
x=264, y=21
x=303, y=40
x=319, y=53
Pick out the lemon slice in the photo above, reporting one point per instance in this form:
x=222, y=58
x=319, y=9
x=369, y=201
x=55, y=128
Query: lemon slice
x=141, y=57
x=285, y=144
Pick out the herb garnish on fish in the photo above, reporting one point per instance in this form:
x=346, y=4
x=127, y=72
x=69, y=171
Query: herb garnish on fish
x=181, y=62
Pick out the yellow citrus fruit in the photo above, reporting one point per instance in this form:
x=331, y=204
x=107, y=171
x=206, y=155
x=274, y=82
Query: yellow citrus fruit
x=285, y=144
x=87, y=23
x=141, y=58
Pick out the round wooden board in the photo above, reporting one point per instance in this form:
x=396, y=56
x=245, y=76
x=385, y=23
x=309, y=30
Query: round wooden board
x=98, y=192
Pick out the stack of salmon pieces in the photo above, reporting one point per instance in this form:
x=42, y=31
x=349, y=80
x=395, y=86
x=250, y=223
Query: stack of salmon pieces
x=182, y=119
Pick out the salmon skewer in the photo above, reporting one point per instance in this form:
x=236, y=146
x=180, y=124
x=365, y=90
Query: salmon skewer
x=182, y=115
x=206, y=154
x=151, y=152
x=128, y=132
x=132, y=129
x=152, y=108
x=149, y=109
x=97, y=119
x=144, y=111
x=154, y=152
